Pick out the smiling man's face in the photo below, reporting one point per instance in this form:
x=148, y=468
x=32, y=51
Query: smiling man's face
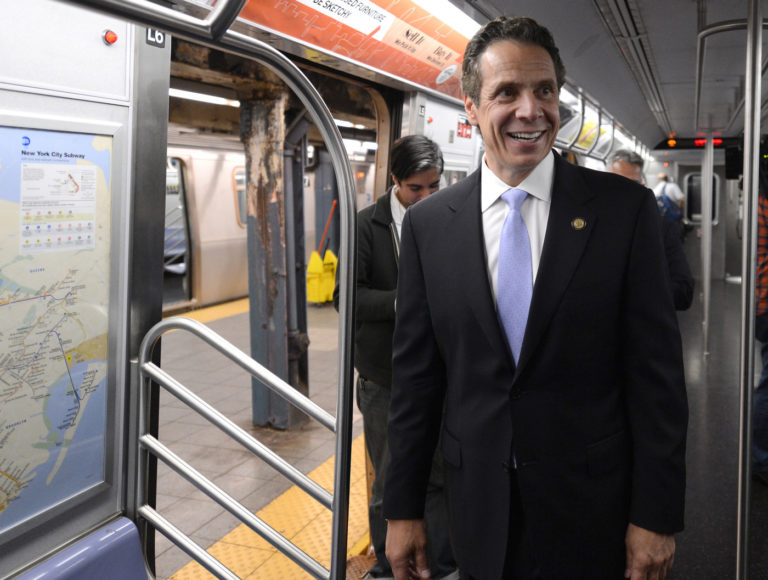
x=518, y=110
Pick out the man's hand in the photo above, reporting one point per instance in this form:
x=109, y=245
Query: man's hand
x=649, y=554
x=407, y=549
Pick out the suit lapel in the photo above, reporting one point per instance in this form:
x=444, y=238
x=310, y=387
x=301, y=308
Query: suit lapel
x=468, y=249
x=569, y=227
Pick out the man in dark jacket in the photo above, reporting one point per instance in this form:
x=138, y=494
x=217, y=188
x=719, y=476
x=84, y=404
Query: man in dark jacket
x=630, y=165
x=416, y=164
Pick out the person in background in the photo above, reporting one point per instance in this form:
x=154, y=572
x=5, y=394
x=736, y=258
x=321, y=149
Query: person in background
x=630, y=165
x=536, y=343
x=670, y=199
x=416, y=165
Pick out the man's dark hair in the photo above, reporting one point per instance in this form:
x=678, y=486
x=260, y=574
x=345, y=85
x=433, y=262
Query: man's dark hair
x=627, y=156
x=525, y=30
x=413, y=154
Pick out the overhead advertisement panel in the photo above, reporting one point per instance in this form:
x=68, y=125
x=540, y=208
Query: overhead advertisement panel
x=54, y=303
x=401, y=39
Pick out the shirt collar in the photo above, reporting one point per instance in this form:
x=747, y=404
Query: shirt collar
x=397, y=208
x=537, y=184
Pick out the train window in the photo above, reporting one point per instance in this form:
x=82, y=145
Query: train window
x=570, y=116
x=175, y=245
x=172, y=176
x=363, y=183
x=605, y=139
x=239, y=184
x=693, y=202
x=451, y=176
x=176, y=248
x=589, y=130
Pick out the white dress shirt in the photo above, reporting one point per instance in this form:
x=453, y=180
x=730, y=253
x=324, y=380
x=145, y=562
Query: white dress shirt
x=674, y=193
x=398, y=211
x=535, y=213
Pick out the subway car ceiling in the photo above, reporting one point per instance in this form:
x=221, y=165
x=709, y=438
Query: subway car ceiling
x=638, y=59
x=344, y=84
x=636, y=62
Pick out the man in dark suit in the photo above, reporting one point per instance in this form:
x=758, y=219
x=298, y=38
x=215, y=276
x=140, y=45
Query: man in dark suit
x=564, y=455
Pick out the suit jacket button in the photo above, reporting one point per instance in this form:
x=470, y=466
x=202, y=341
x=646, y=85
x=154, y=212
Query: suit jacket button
x=506, y=466
x=515, y=395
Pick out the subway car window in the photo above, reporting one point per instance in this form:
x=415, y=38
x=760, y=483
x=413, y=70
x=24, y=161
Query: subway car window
x=692, y=190
x=242, y=208
x=570, y=116
x=605, y=139
x=451, y=176
x=589, y=130
x=176, y=238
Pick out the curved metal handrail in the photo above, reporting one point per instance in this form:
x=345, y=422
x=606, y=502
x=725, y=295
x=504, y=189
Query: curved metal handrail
x=229, y=503
x=717, y=28
x=216, y=23
x=223, y=15
x=613, y=140
x=597, y=132
x=208, y=32
x=253, y=445
x=247, y=46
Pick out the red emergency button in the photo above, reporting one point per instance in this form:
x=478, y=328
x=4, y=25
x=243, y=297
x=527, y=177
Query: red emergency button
x=110, y=37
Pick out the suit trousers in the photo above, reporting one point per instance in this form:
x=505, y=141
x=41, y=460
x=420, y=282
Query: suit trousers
x=520, y=563
x=373, y=402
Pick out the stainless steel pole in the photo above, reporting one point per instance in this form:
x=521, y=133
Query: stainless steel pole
x=749, y=251
x=707, y=171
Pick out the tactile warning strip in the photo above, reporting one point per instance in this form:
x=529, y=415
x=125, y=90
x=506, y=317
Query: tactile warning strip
x=302, y=520
x=218, y=311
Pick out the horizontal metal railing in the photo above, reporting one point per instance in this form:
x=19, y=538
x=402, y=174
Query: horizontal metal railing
x=226, y=501
x=238, y=434
x=149, y=444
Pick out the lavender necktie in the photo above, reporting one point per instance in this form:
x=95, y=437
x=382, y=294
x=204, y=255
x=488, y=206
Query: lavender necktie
x=515, y=273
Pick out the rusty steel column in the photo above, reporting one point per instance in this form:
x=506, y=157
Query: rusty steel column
x=262, y=131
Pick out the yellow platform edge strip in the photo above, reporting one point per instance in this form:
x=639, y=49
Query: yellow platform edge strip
x=218, y=311
x=302, y=520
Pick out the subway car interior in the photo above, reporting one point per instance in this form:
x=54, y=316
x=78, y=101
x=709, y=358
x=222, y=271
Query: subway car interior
x=179, y=184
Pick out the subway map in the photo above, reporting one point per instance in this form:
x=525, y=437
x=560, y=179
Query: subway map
x=54, y=304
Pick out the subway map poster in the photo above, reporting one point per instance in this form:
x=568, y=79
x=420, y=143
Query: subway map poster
x=55, y=213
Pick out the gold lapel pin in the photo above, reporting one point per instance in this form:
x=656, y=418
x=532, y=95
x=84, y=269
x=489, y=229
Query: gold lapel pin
x=578, y=223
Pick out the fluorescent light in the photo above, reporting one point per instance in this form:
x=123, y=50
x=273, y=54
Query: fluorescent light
x=348, y=124
x=452, y=16
x=202, y=97
x=355, y=146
